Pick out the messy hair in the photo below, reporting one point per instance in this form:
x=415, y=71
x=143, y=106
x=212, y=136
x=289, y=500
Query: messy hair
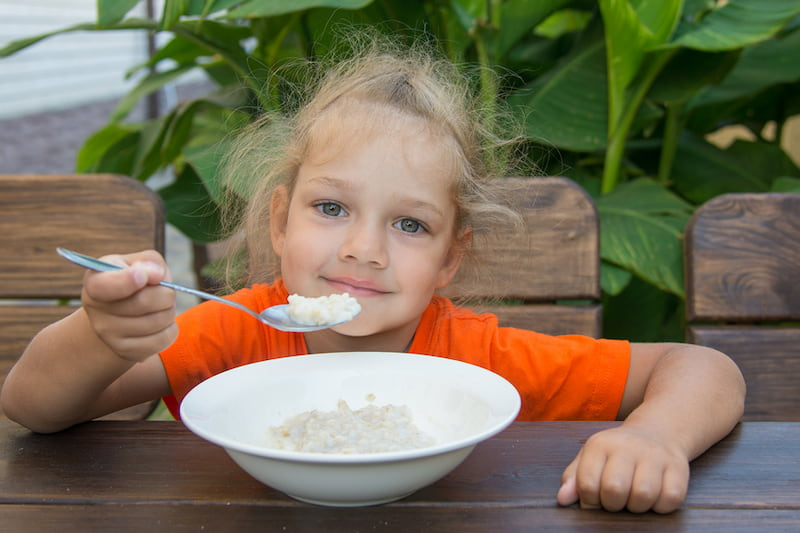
x=411, y=80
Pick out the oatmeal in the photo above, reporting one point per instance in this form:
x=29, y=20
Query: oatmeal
x=323, y=310
x=372, y=429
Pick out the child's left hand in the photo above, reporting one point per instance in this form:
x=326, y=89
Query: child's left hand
x=626, y=467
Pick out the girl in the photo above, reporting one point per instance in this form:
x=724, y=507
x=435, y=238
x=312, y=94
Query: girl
x=376, y=188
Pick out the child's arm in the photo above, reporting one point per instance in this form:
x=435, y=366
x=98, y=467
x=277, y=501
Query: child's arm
x=679, y=400
x=101, y=357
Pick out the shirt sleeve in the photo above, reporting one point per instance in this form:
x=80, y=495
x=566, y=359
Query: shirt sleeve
x=569, y=377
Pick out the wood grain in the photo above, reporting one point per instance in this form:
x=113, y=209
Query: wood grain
x=95, y=214
x=159, y=476
x=743, y=259
x=556, y=257
x=742, y=270
x=769, y=358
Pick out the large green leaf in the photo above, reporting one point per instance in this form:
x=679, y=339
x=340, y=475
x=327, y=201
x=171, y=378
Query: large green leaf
x=641, y=230
x=702, y=170
x=190, y=208
x=127, y=24
x=519, y=17
x=736, y=24
x=150, y=84
x=110, y=12
x=786, y=184
x=632, y=28
x=110, y=149
x=774, y=61
x=173, y=9
x=690, y=71
x=264, y=8
x=568, y=107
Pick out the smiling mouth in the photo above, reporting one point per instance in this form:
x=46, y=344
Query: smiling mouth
x=355, y=287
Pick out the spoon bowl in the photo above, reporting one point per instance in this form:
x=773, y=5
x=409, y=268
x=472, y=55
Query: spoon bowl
x=276, y=316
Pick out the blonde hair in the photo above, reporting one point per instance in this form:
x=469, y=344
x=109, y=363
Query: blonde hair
x=409, y=80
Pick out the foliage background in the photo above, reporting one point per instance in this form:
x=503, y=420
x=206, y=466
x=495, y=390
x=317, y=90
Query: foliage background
x=619, y=95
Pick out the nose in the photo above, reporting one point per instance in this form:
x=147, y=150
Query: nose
x=365, y=243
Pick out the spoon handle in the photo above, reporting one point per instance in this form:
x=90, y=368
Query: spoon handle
x=101, y=266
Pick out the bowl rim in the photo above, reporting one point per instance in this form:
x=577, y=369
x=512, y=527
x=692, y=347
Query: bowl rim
x=194, y=423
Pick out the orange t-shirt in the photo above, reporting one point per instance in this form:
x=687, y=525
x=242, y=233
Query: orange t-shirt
x=568, y=377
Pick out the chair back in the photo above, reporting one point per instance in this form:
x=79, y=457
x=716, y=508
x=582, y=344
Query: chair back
x=547, y=277
x=96, y=214
x=742, y=256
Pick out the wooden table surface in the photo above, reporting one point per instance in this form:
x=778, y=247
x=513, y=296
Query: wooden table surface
x=158, y=476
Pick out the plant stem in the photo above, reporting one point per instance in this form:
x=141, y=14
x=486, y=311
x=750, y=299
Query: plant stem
x=616, y=141
x=669, y=147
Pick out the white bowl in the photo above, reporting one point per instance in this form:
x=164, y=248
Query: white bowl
x=456, y=403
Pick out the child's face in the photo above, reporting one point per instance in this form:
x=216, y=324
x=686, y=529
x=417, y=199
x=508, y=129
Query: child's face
x=372, y=215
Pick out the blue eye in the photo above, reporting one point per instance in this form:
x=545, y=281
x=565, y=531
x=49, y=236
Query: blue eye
x=409, y=225
x=331, y=209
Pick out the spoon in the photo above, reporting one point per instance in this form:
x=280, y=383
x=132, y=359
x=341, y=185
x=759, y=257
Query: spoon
x=276, y=316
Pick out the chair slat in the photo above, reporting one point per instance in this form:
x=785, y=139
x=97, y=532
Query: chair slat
x=95, y=214
x=769, y=358
x=742, y=270
x=744, y=263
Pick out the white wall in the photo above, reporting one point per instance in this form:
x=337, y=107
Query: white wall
x=66, y=70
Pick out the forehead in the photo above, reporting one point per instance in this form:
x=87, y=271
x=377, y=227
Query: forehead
x=349, y=123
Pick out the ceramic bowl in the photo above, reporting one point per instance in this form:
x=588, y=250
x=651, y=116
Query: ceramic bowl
x=455, y=403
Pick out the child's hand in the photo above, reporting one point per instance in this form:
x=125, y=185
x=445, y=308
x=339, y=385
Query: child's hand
x=626, y=467
x=128, y=310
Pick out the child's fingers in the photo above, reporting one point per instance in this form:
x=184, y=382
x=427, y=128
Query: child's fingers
x=674, y=487
x=568, y=492
x=138, y=271
x=617, y=482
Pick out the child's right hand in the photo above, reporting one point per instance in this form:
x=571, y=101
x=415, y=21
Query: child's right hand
x=128, y=310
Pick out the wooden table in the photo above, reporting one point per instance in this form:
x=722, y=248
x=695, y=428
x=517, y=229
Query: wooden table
x=157, y=476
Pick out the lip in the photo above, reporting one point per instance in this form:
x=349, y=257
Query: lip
x=355, y=287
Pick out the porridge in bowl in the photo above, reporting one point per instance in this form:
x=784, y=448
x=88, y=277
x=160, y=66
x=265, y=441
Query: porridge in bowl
x=371, y=429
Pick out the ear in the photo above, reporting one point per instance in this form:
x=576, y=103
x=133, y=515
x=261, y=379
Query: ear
x=278, y=217
x=455, y=255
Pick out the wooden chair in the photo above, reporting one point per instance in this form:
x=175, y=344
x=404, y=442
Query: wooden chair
x=94, y=214
x=533, y=273
x=743, y=293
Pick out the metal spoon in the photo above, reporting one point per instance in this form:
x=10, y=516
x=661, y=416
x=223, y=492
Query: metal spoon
x=276, y=316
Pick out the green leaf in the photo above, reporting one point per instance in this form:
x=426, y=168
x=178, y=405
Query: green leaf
x=786, y=184
x=641, y=230
x=173, y=9
x=190, y=208
x=690, y=71
x=568, y=106
x=631, y=29
x=128, y=24
x=519, y=17
x=263, y=8
x=736, y=24
x=702, y=171
x=149, y=157
x=613, y=279
x=148, y=85
x=110, y=12
x=109, y=149
x=760, y=66
x=218, y=38
x=643, y=313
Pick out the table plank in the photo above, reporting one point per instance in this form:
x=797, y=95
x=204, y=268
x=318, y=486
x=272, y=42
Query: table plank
x=154, y=518
x=158, y=476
